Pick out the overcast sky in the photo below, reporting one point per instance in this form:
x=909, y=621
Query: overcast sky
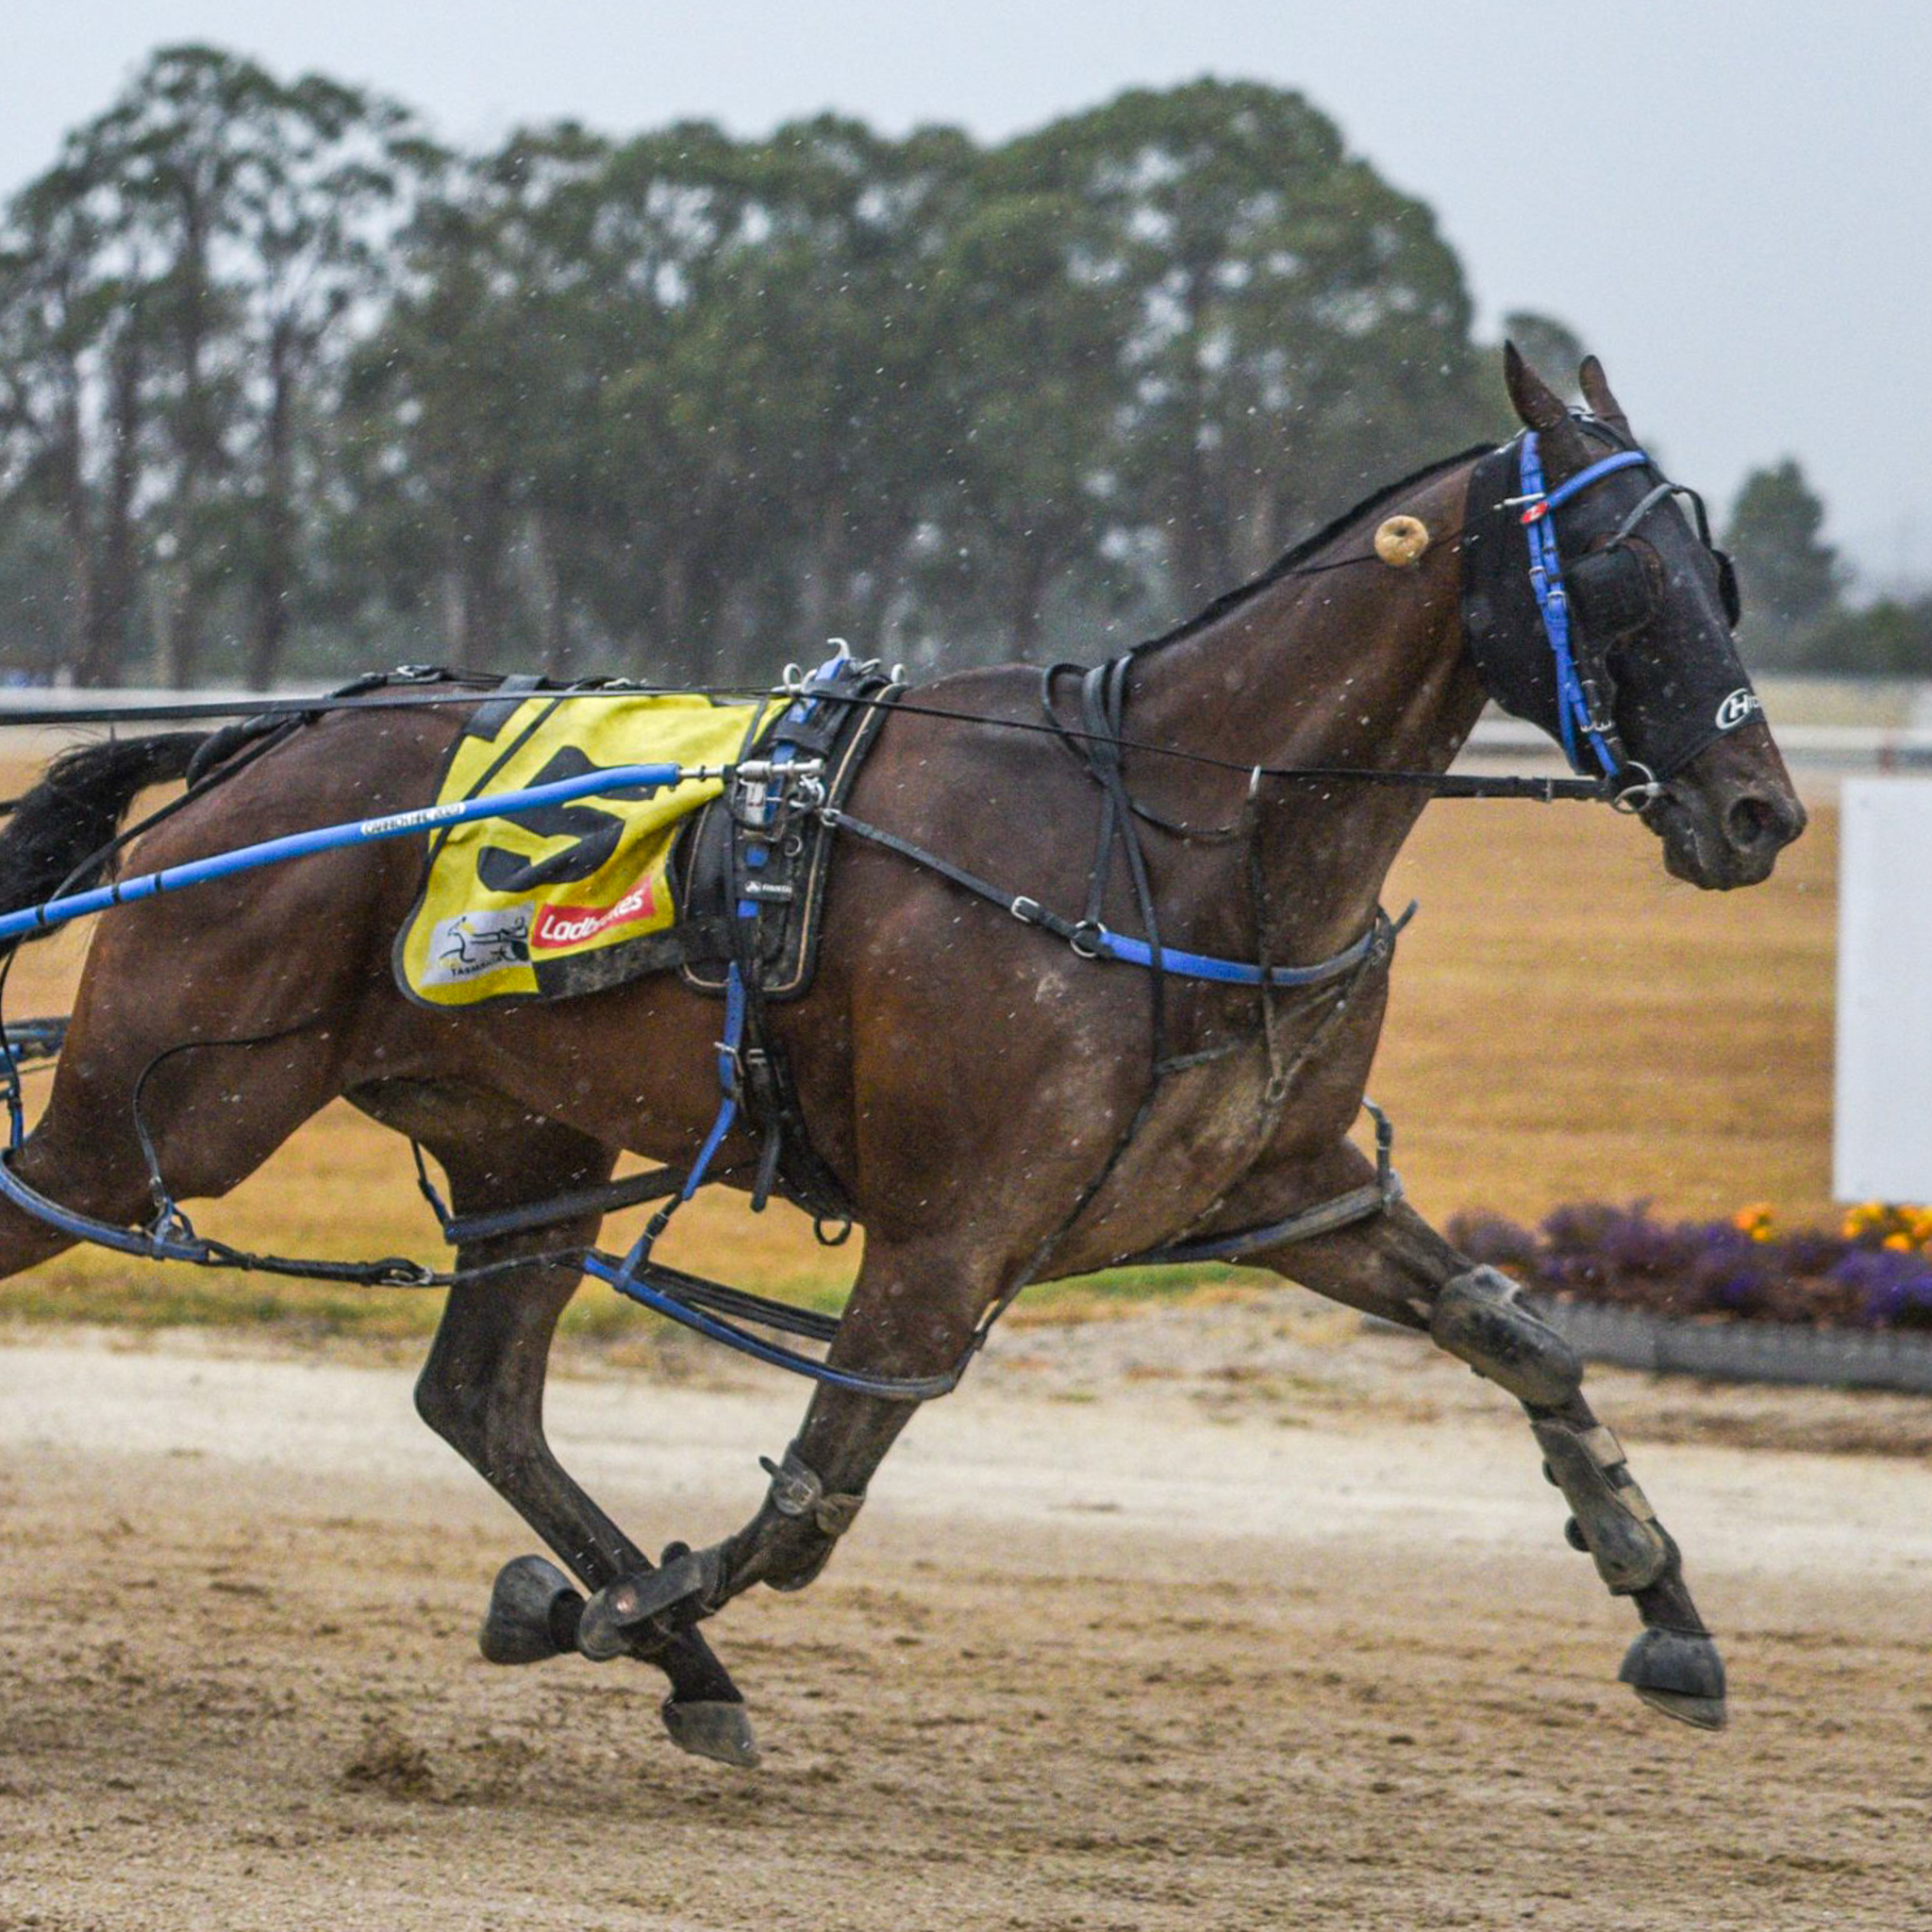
x=1729, y=203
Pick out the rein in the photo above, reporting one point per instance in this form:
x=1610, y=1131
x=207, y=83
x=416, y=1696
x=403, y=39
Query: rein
x=1543, y=790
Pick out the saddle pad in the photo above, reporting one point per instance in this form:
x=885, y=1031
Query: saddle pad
x=565, y=898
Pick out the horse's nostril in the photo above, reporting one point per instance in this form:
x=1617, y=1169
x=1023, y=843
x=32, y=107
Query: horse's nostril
x=1751, y=821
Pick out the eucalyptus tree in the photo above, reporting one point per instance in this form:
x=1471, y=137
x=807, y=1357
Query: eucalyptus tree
x=169, y=151
x=766, y=427
x=76, y=354
x=1023, y=330
x=171, y=286
x=331, y=169
x=79, y=358
x=535, y=413
x=1300, y=329
x=466, y=401
x=1792, y=578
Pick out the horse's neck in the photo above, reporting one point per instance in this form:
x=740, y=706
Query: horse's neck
x=1361, y=667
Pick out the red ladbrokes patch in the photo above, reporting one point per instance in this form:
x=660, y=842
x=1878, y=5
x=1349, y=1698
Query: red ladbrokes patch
x=558, y=926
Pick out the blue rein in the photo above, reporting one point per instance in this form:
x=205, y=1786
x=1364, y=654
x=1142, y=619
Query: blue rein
x=400, y=825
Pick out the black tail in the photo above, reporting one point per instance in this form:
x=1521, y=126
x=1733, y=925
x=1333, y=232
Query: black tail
x=72, y=815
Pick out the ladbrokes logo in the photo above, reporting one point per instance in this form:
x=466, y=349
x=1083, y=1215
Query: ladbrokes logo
x=558, y=926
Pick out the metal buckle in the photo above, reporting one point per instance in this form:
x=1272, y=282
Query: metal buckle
x=1633, y=799
x=1085, y=937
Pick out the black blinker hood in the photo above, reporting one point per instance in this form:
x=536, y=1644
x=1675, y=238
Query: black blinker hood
x=1666, y=712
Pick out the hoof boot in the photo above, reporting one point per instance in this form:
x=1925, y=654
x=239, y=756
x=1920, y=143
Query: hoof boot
x=533, y=1613
x=622, y=1610
x=717, y=1730
x=1679, y=1673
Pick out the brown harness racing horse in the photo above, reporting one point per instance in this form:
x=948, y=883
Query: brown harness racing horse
x=1028, y=1141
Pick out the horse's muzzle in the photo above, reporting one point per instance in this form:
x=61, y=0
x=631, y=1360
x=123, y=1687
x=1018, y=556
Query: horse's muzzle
x=1725, y=817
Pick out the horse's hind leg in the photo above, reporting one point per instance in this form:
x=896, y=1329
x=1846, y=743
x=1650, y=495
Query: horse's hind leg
x=212, y=1115
x=1397, y=1266
x=911, y=1315
x=482, y=1391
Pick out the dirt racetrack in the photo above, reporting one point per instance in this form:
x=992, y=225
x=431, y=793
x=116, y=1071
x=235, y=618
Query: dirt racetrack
x=1127, y=1637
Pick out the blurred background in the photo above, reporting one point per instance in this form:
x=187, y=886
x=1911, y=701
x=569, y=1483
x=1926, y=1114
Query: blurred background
x=638, y=341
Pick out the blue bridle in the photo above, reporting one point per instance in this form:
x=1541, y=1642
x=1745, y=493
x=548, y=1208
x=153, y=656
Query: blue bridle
x=1581, y=710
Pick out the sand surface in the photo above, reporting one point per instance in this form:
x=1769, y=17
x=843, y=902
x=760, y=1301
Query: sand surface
x=1127, y=1637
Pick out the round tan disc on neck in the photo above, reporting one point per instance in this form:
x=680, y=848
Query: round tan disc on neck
x=1401, y=541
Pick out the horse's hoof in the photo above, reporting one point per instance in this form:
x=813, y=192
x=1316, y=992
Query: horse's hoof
x=1679, y=1674
x=533, y=1613
x=719, y=1731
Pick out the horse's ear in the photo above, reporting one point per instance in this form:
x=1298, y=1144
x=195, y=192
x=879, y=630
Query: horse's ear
x=1537, y=404
x=1597, y=392
x=1540, y=406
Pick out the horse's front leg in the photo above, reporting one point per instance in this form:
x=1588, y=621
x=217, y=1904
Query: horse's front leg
x=1399, y=1267
x=910, y=1316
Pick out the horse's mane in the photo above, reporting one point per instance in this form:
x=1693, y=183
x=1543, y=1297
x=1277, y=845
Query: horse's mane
x=1299, y=552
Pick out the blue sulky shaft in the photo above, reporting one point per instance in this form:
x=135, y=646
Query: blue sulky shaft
x=399, y=824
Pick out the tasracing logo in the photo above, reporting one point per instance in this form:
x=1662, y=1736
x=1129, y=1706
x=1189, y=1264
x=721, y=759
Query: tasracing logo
x=476, y=942
x=1741, y=704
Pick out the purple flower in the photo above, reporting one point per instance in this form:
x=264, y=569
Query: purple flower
x=1897, y=1287
x=1598, y=1252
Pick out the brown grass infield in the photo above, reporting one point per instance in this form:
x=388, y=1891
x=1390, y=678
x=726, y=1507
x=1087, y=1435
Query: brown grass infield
x=1567, y=1022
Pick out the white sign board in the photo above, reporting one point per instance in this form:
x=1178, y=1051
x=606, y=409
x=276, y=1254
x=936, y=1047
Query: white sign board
x=1882, y=1142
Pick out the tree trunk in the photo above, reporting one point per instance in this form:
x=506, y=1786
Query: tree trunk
x=673, y=604
x=77, y=516
x=275, y=570
x=818, y=614
x=478, y=628
x=1032, y=575
x=111, y=593
x=554, y=604
x=197, y=453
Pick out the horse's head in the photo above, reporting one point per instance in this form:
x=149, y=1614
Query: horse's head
x=1595, y=608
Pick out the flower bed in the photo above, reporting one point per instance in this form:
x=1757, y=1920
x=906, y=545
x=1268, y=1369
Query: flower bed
x=1876, y=1273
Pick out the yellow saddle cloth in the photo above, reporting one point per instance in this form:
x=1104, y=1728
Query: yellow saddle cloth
x=564, y=898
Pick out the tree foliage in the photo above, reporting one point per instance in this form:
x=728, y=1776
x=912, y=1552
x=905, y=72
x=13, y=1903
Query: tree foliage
x=169, y=293
x=285, y=388
x=1789, y=575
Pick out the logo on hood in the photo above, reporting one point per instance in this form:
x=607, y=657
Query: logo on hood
x=1741, y=704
